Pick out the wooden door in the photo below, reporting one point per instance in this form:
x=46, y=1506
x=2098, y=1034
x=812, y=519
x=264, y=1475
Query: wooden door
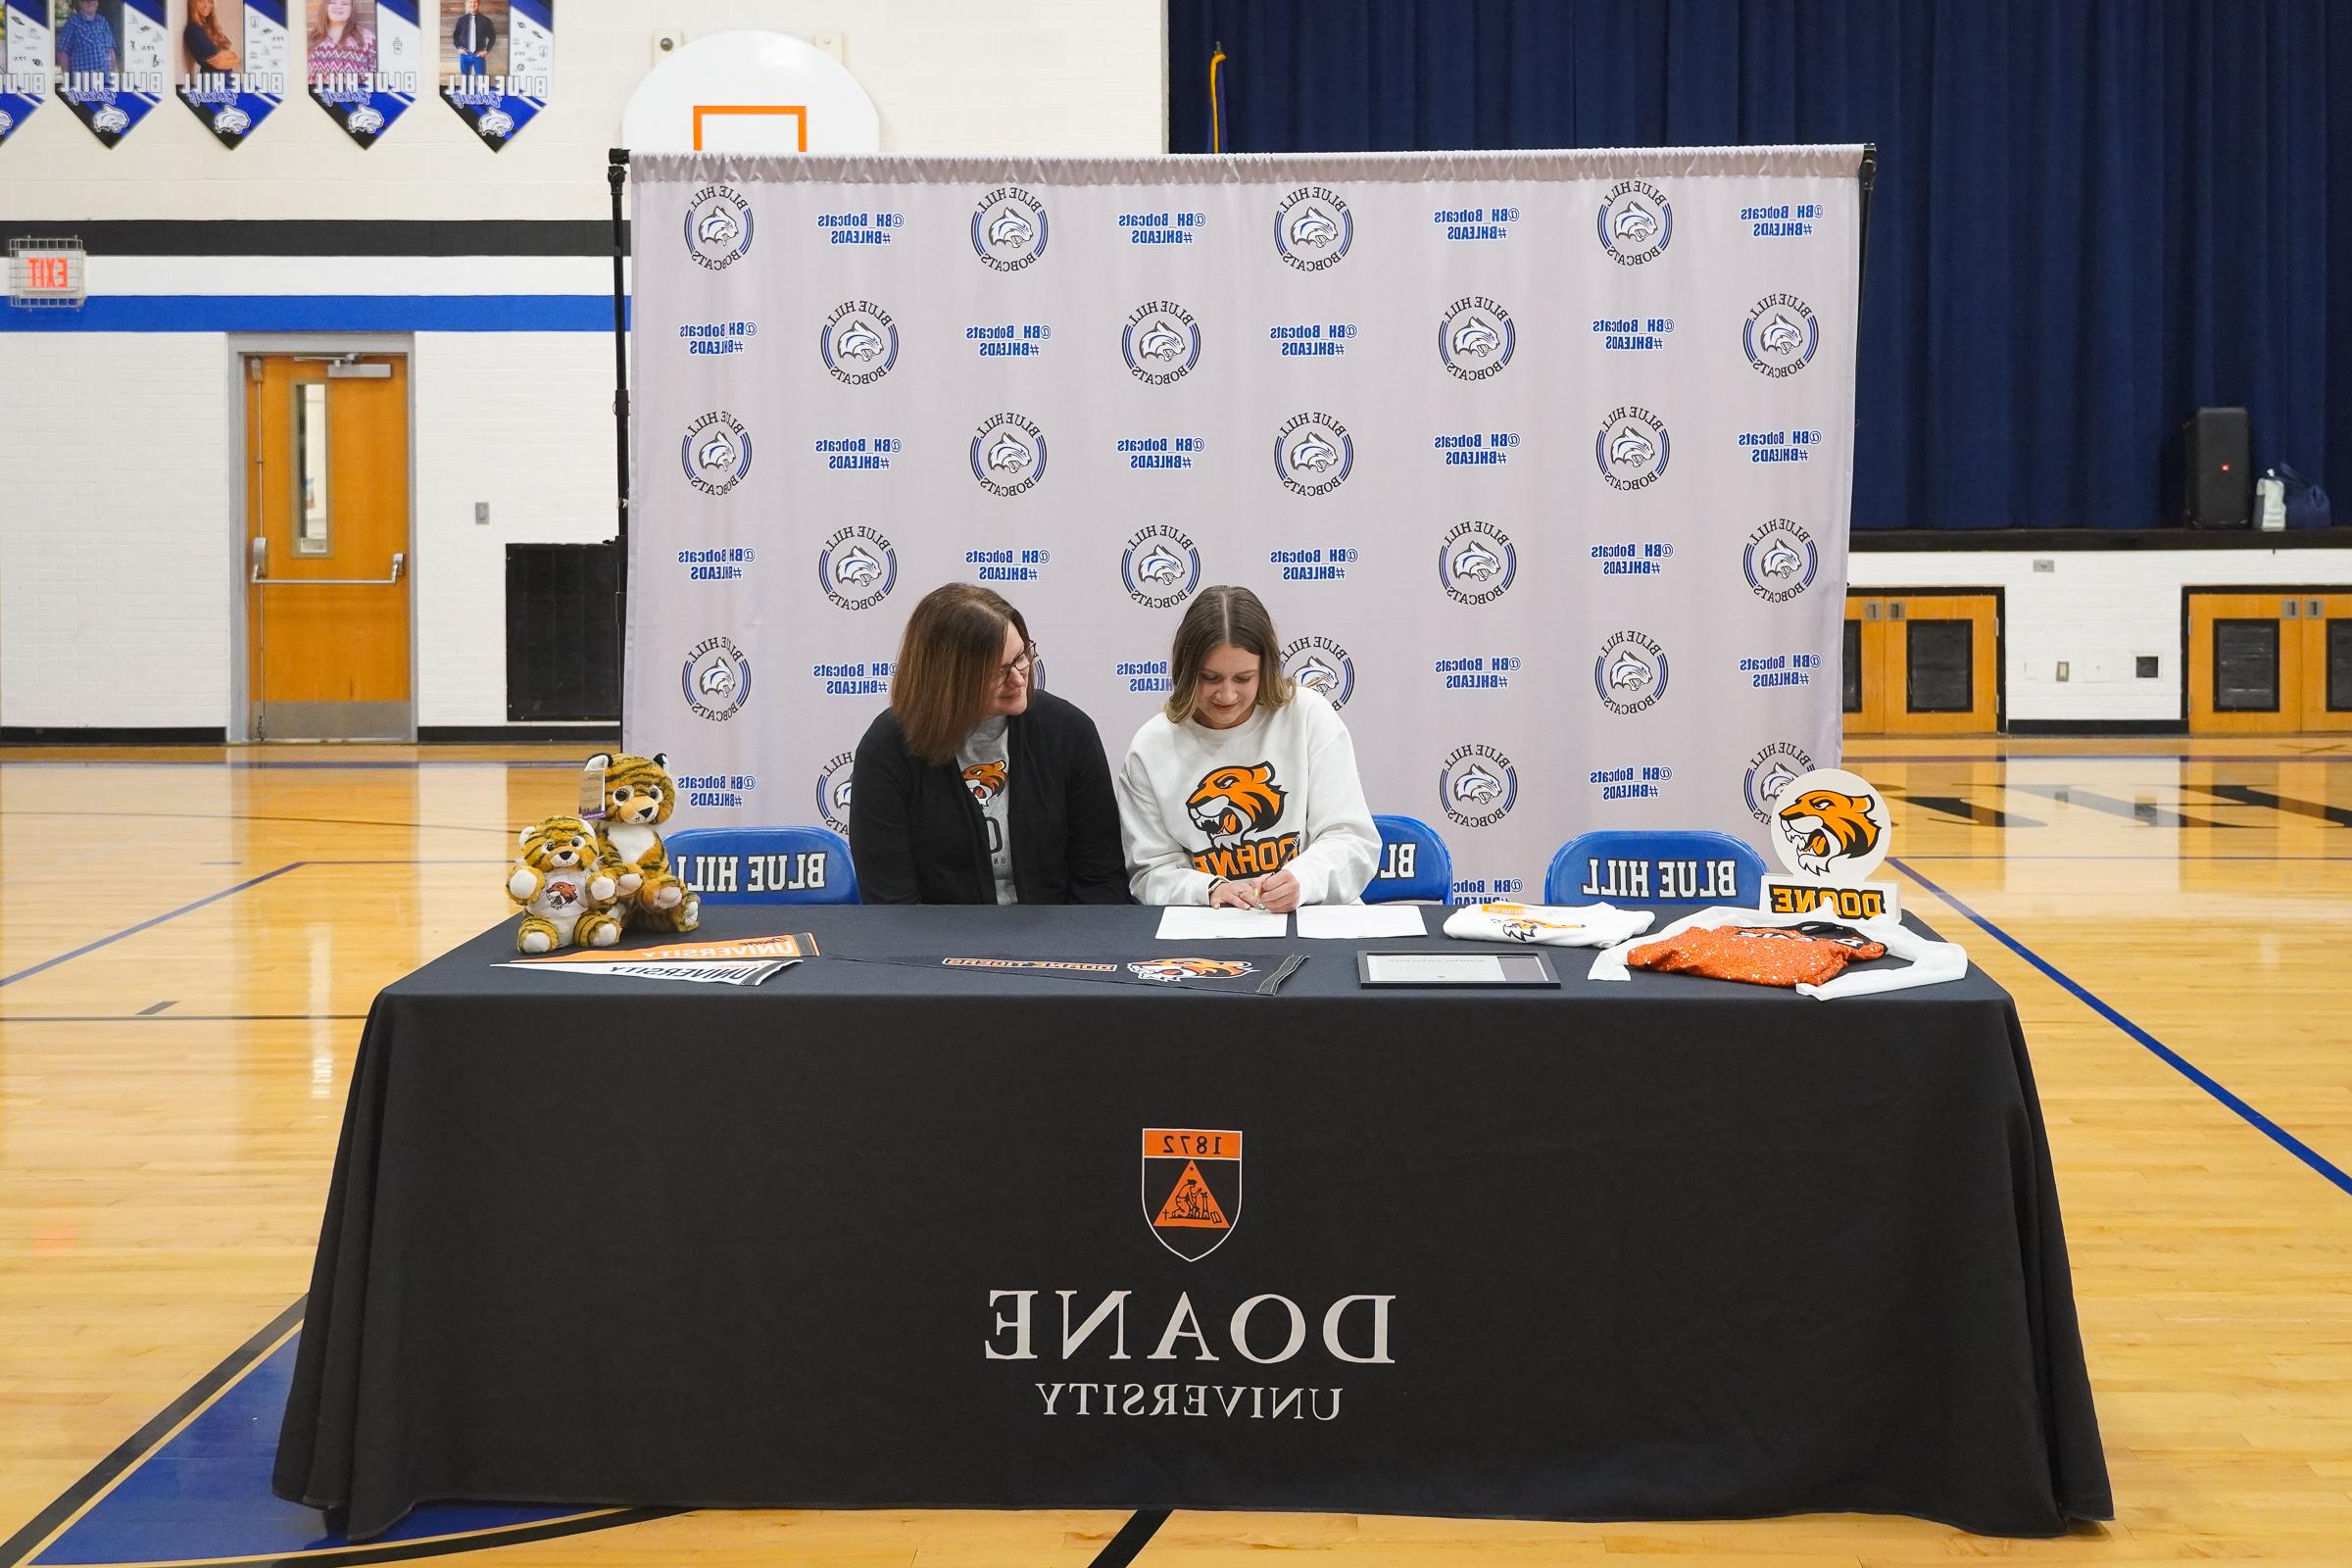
x=326, y=598
x=2327, y=673
x=1923, y=664
x=1864, y=667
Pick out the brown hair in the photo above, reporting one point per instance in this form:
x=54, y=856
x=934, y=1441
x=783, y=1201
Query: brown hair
x=1220, y=616
x=949, y=666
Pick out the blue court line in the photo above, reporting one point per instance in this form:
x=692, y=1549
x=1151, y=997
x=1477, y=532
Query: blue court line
x=2009, y=757
x=135, y=930
x=2316, y=859
x=2163, y=1052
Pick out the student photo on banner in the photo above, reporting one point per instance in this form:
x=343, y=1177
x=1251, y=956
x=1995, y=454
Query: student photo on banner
x=27, y=54
x=341, y=38
x=211, y=41
x=474, y=34
x=233, y=64
x=111, y=61
x=498, y=58
x=90, y=37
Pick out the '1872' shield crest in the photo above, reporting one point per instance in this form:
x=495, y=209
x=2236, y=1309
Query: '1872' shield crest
x=1191, y=1188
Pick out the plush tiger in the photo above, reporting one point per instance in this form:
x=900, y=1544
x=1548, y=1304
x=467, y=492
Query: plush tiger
x=1827, y=827
x=1235, y=799
x=638, y=797
x=565, y=896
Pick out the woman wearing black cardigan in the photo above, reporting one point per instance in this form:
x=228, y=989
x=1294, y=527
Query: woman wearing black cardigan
x=974, y=786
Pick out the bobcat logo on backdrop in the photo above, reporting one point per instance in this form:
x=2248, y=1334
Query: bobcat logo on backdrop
x=1477, y=785
x=1010, y=228
x=1631, y=672
x=1313, y=454
x=719, y=227
x=1313, y=229
x=833, y=791
x=1476, y=563
x=1475, y=337
x=1635, y=223
x=857, y=567
x=1632, y=448
x=1160, y=568
x=859, y=343
x=1779, y=561
x=1008, y=454
x=1322, y=667
x=1780, y=336
x=715, y=453
x=717, y=679
x=1160, y=343
x=1770, y=772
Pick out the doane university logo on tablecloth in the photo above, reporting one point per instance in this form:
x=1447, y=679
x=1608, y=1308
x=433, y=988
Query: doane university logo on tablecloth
x=1191, y=1188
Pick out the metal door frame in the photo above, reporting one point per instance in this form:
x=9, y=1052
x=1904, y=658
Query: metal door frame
x=381, y=345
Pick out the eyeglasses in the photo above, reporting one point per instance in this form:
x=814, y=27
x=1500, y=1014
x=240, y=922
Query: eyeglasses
x=1019, y=666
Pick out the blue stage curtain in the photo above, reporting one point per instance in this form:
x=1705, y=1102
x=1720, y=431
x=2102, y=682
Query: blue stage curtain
x=2092, y=217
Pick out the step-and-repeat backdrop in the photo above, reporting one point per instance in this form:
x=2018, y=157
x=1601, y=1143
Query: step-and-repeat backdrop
x=1541, y=461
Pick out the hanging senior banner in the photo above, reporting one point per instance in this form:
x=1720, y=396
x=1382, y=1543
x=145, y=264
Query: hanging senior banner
x=26, y=51
x=110, y=62
x=234, y=59
x=500, y=62
x=364, y=63
x=1541, y=461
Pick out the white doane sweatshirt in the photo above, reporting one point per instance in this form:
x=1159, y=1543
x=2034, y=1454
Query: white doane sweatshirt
x=1277, y=791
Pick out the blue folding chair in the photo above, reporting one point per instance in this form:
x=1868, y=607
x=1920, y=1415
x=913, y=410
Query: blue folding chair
x=764, y=864
x=1413, y=864
x=1645, y=867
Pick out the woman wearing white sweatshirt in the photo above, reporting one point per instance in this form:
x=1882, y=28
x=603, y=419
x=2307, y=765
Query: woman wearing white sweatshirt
x=1242, y=789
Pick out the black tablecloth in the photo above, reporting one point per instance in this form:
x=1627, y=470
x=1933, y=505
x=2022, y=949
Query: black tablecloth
x=1666, y=1249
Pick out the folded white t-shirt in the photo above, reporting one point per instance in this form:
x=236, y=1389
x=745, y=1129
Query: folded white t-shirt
x=1931, y=963
x=1556, y=925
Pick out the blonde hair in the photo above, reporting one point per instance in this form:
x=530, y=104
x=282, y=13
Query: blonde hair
x=949, y=666
x=1224, y=616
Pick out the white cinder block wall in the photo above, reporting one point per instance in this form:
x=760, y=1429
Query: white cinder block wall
x=2097, y=610
x=117, y=544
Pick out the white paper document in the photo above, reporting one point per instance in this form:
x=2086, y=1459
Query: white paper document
x=1341, y=920
x=1197, y=923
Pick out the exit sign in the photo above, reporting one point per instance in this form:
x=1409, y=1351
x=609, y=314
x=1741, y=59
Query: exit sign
x=46, y=271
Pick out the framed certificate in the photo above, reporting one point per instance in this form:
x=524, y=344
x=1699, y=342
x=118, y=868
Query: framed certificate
x=1526, y=968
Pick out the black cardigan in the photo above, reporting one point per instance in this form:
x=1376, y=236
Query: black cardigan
x=917, y=835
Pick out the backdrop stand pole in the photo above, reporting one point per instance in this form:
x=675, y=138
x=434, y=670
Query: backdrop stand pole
x=617, y=174
x=1868, y=173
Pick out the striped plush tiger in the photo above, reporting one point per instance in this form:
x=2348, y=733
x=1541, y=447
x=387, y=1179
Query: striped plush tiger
x=638, y=797
x=565, y=896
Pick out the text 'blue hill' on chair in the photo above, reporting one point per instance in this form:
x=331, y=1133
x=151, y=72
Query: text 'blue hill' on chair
x=765, y=864
x=1632, y=866
x=1413, y=862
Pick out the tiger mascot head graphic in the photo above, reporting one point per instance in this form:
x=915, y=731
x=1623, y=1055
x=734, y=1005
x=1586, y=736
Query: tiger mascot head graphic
x=638, y=790
x=1230, y=802
x=1173, y=970
x=1827, y=827
x=986, y=780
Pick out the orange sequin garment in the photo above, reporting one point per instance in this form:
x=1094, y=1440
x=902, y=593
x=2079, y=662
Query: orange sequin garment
x=1762, y=955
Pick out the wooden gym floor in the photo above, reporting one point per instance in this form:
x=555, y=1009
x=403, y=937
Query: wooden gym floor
x=189, y=940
